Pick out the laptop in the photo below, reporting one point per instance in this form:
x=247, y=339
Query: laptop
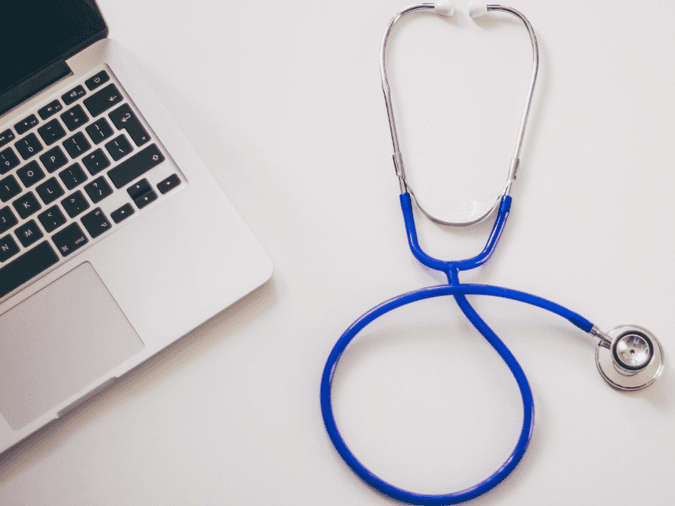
x=115, y=239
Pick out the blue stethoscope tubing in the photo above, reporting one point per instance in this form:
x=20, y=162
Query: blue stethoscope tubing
x=628, y=357
x=459, y=291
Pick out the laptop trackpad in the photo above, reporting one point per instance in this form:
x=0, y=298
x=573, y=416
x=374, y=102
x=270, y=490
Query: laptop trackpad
x=57, y=342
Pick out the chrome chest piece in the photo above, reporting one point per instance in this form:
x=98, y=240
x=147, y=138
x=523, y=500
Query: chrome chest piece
x=628, y=357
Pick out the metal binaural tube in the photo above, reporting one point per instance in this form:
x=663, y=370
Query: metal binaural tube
x=386, y=89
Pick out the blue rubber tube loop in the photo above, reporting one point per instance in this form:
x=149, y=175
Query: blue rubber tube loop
x=459, y=291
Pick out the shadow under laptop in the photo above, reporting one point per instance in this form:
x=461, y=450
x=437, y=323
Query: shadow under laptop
x=137, y=381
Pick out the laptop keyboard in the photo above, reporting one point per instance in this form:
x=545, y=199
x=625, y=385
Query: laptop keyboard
x=71, y=173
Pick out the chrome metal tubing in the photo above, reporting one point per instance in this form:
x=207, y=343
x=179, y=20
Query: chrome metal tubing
x=386, y=89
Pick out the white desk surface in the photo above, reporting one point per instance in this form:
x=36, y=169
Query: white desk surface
x=283, y=102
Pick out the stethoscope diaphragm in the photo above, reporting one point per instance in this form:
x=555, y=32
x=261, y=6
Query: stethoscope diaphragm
x=632, y=361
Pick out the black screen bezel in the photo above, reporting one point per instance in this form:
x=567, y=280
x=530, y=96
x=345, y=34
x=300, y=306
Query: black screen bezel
x=38, y=56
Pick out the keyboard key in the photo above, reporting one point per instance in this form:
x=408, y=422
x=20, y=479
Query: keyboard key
x=96, y=81
x=136, y=166
x=50, y=109
x=8, y=160
x=96, y=223
x=26, y=205
x=7, y=219
x=26, y=124
x=122, y=213
x=52, y=219
x=30, y=174
x=28, y=146
x=124, y=119
x=119, y=147
x=74, y=118
x=95, y=162
x=75, y=204
x=73, y=95
x=26, y=267
x=98, y=189
x=54, y=159
x=50, y=190
x=51, y=132
x=70, y=239
x=73, y=176
x=138, y=189
x=6, y=137
x=142, y=193
x=145, y=199
x=99, y=131
x=29, y=233
x=103, y=100
x=76, y=145
x=8, y=248
x=9, y=188
x=168, y=184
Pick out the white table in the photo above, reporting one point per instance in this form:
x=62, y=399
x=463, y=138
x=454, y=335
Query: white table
x=283, y=102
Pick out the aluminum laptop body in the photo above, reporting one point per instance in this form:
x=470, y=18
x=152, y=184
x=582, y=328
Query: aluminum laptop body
x=115, y=240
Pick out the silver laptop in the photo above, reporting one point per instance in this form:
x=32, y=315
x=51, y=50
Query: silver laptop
x=115, y=240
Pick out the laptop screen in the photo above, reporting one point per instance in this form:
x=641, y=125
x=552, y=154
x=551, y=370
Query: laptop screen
x=37, y=33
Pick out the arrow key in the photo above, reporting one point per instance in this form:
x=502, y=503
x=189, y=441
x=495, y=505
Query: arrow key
x=122, y=213
x=142, y=193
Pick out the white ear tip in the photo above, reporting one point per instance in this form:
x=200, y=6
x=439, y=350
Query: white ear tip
x=477, y=9
x=444, y=7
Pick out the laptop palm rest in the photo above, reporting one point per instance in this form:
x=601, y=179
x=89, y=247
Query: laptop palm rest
x=59, y=341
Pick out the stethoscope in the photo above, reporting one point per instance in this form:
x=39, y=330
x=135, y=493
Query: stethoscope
x=628, y=357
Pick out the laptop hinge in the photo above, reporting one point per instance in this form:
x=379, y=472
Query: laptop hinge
x=33, y=85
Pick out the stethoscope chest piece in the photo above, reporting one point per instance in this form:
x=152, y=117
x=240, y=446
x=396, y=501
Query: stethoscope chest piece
x=632, y=361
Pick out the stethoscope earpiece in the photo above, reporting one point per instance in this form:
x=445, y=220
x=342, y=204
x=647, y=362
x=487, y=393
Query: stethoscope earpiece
x=445, y=8
x=477, y=9
x=629, y=357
